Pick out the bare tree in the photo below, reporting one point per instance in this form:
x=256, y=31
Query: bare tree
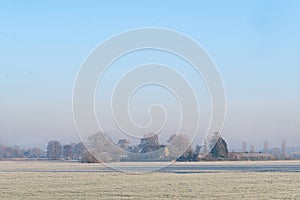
x=16, y=152
x=252, y=148
x=33, y=153
x=54, y=150
x=13, y=152
x=214, y=139
x=102, y=148
x=2, y=151
x=37, y=153
x=283, y=148
x=180, y=147
x=266, y=147
x=78, y=151
x=204, y=148
x=244, y=147
x=87, y=157
x=68, y=152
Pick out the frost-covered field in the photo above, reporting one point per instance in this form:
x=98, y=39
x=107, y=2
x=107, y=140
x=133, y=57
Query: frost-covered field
x=25, y=180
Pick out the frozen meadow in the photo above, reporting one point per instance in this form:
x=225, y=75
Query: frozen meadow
x=71, y=180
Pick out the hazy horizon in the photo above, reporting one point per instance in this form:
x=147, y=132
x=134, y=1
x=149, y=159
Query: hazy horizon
x=254, y=44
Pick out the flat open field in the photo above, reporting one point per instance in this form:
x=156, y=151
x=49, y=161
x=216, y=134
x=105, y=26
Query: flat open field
x=59, y=180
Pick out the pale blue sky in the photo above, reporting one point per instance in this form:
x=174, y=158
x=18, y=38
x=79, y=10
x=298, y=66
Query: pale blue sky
x=255, y=45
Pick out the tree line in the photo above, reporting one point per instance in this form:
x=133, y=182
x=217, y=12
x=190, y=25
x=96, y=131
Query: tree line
x=73, y=151
x=99, y=148
x=15, y=151
x=54, y=151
